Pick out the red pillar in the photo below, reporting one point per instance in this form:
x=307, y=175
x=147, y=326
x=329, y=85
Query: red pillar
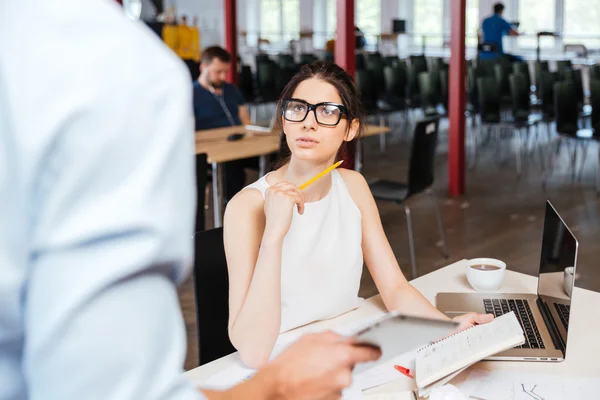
x=344, y=37
x=344, y=57
x=231, y=38
x=457, y=100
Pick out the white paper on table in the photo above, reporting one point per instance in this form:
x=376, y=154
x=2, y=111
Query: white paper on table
x=385, y=373
x=504, y=385
x=407, y=395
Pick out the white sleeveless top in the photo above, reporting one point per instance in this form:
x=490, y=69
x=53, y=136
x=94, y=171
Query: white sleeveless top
x=322, y=260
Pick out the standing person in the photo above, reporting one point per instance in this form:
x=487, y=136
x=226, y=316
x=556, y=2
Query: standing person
x=218, y=104
x=494, y=28
x=98, y=198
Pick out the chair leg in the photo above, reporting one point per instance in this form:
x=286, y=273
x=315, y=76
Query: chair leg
x=598, y=173
x=440, y=223
x=574, y=161
x=411, y=242
x=583, y=157
x=382, y=136
x=518, y=132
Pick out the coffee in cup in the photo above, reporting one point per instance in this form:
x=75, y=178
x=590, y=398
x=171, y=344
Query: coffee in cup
x=485, y=274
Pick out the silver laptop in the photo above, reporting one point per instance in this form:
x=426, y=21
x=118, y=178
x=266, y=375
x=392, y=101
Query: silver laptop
x=260, y=128
x=544, y=317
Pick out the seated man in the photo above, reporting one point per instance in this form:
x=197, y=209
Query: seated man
x=494, y=28
x=218, y=104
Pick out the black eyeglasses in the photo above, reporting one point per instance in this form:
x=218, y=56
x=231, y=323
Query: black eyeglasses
x=327, y=114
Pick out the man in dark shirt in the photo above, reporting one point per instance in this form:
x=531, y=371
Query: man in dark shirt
x=218, y=104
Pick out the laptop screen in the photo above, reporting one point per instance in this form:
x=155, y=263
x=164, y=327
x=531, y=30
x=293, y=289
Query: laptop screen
x=557, y=271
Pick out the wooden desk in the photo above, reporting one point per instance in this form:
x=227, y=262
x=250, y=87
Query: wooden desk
x=583, y=354
x=214, y=143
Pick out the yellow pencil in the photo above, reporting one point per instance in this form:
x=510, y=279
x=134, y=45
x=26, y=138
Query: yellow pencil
x=320, y=175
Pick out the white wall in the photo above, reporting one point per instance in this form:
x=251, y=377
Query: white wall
x=211, y=18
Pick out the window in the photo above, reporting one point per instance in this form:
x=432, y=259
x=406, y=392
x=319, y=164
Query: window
x=368, y=19
x=581, y=20
x=472, y=22
x=280, y=20
x=428, y=18
x=331, y=22
x=536, y=16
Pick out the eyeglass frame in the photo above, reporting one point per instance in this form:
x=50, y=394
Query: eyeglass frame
x=313, y=108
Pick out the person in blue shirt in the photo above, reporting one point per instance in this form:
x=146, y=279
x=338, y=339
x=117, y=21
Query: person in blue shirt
x=97, y=205
x=218, y=104
x=494, y=28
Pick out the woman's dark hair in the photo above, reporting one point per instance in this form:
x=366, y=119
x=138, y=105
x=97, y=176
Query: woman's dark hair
x=338, y=78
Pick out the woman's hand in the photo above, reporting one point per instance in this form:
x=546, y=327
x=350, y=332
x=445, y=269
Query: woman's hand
x=279, y=206
x=471, y=319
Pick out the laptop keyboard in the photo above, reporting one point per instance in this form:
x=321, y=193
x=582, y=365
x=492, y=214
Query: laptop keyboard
x=498, y=307
x=563, y=311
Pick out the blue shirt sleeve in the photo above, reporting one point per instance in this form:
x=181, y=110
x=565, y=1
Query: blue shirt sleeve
x=506, y=27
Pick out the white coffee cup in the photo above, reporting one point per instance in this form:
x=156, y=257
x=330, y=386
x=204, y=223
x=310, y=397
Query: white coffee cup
x=485, y=280
x=568, y=280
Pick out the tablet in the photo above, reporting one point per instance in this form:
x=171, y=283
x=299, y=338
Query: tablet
x=396, y=334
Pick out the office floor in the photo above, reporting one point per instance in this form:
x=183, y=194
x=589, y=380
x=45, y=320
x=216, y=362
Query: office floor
x=500, y=216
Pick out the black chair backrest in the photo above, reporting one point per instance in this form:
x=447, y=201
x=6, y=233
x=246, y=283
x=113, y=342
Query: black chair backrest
x=412, y=85
x=565, y=109
x=562, y=66
x=523, y=69
x=211, y=285
x=265, y=73
x=472, y=93
x=444, y=81
x=595, y=100
x=285, y=61
x=502, y=71
x=246, y=83
x=429, y=96
x=422, y=157
x=574, y=75
x=519, y=93
x=391, y=61
x=595, y=72
x=394, y=81
x=545, y=87
x=489, y=101
x=366, y=90
x=375, y=67
x=486, y=68
x=201, y=171
x=361, y=63
x=419, y=62
x=307, y=58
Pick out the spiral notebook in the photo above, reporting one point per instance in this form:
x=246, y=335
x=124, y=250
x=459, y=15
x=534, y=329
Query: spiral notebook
x=441, y=361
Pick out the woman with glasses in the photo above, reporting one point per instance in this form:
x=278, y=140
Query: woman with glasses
x=296, y=257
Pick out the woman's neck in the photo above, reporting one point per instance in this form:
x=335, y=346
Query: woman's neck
x=298, y=172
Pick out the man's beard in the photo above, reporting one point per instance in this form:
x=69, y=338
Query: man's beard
x=217, y=85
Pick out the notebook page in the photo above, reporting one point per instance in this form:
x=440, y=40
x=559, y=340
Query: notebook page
x=469, y=346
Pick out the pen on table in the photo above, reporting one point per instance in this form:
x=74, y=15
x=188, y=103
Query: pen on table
x=403, y=371
x=320, y=175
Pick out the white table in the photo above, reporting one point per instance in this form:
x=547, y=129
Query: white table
x=583, y=348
